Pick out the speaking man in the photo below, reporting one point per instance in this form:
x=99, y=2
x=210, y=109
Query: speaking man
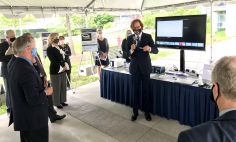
x=139, y=45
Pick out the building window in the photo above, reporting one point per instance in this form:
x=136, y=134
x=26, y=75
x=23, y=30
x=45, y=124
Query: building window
x=221, y=20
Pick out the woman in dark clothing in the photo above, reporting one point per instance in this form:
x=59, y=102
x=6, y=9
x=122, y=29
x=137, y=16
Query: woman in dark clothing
x=57, y=71
x=66, y=49
x=103, y=48
x=124, y=46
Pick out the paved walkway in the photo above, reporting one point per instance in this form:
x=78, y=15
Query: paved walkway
x=91, y=118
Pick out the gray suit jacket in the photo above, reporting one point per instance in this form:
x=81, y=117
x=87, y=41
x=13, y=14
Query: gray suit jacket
x=222, y=129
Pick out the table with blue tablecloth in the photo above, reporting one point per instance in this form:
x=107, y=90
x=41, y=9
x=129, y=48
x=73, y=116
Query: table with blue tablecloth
x=172, y=97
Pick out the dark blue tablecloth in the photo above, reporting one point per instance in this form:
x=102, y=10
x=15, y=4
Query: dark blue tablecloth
x=189, y=105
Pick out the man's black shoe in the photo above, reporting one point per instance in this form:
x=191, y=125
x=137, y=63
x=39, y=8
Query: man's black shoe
x=60, y=106
x=64, y=104
x=58, y=117
x=147, y=116
x=134, y=117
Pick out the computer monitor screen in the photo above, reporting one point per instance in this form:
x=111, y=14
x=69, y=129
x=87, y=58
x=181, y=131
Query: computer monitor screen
x=181, y=32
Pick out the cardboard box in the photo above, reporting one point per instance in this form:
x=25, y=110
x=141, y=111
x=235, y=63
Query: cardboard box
x=87, y=70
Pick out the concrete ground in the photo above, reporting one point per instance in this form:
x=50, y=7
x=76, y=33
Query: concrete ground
x=91, y=118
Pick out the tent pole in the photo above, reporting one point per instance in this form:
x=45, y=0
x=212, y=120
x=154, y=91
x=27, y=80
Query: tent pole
x=20, y=24
x=70, y=34
x=86, y=18
x=211, y=60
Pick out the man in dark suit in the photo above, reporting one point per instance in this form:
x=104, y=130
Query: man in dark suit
x=222, y=129
x=28, y=96
x=139, y=46
x=4, y=59
x=52, y=113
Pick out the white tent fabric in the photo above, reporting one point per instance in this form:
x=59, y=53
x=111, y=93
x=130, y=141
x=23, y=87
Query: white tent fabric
x=76, y=6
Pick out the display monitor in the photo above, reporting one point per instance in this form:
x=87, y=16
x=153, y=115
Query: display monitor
x=181, y=32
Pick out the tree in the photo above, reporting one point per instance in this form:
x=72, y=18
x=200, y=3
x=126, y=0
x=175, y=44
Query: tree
x=149, y=17
x=101, y=20
x=6, y=23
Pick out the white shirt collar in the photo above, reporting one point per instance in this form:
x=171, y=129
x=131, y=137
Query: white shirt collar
x=225, y=111
x=140, y=35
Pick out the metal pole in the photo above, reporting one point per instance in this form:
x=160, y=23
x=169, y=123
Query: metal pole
x=211, y=60
x=86, y=18
x=70, y=33
x=20, y=24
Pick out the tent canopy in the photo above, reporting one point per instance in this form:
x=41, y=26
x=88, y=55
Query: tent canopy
x=83, y=6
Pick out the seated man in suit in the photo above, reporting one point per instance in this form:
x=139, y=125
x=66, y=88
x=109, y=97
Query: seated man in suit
x=222, y=129
x=28, y=96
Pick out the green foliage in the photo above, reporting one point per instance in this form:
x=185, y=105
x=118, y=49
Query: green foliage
x=162, y=54
x=77, y=22
x=149, y=17
x=219, y=36
x=58, y=26
x=15, y=22
x=29, y=19
x=77, y=80
x=101, y=20
x=3, y=108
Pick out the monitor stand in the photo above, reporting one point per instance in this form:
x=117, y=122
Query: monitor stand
x=182, y=60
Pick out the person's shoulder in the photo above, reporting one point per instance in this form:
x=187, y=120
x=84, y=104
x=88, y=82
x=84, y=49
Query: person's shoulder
x=4, y=44
x=200, y=132
x=21, y=65
x=146, y=34
x=130, y=37
x=50, y=48
x=105, y=39
x=67, y=45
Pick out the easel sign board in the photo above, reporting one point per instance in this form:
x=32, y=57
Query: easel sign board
x=44, y=37
x=89, y=40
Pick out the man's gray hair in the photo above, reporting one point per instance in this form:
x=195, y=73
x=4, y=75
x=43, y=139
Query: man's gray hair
x=224, y=73
x=21, y=43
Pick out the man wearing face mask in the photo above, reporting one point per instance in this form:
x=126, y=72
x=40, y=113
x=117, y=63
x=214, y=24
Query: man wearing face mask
x=28, y=96
x=139, y=45
x=223, y=128
x=52, y=113
x=124, y=46
x=4, y=59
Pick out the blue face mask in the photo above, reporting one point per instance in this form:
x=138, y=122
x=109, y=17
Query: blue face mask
x=34, y=52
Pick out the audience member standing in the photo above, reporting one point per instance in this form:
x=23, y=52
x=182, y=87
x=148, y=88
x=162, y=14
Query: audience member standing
x=28, y=96
x=140, y=45
x=223, y=128
x=103, y=48
x=4, y=59
x=66, y=49
x=57, y=70
x=124, y=46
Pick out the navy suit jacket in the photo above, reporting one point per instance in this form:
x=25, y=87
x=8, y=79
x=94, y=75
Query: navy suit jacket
x=222, y=129
x=29, y=102
x=139, y=59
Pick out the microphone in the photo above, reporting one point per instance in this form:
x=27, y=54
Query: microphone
x=135, y=39
x=136, y=42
